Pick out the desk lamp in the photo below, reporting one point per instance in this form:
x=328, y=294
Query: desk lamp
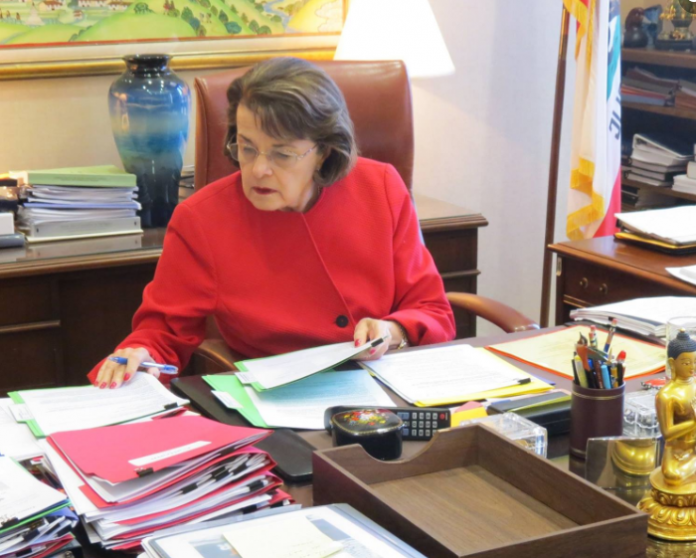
x=395, y=30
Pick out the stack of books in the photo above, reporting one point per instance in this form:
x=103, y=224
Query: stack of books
x=686, y=183
x=77, y=202
x=657, y=158
x=685, y=96
x=162, y=474
x=641, y=86
x=35, y=519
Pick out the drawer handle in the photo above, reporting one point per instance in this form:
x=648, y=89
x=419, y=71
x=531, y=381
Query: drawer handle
x=584, y=283
x=604, y=289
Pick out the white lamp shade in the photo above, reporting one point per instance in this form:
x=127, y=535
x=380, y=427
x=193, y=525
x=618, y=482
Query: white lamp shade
x=395, y=30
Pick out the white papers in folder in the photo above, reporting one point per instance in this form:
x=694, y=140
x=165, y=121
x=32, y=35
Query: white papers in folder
x=676, y=225
x=267, y=373
x=302, y=404
x=77, y=408
x=21, y=495
x=16, y=440
x=443, y=374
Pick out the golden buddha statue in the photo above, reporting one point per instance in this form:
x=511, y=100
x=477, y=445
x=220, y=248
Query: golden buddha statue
x=672, y=503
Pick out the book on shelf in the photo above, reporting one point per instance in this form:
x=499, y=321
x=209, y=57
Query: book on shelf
x=664, y=144
x=656, y=175
x=644, y=76
x=649, y=181
x=95, y=176
x=655, y=167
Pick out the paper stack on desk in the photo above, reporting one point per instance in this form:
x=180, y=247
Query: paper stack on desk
x=34, y=518
x=129, y=481
x=46, y=411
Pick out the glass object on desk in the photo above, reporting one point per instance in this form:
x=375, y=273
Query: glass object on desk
x=640, y=415
x=149, y=106
x=529, y=435
x=622, y=464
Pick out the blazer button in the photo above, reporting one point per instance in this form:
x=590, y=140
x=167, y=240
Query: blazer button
x=341, y=321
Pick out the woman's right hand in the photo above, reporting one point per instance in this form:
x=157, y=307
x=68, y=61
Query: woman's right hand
x=112, y=375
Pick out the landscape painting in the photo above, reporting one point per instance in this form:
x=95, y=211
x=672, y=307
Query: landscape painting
x=55, y=22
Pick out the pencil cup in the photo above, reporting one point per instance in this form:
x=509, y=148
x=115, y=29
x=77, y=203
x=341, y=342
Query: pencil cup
x=594, y=413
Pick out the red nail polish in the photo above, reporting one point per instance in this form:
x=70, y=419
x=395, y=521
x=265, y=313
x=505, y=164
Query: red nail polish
x=126, y=377
x=357, y=343
x=113, y=385
x=103, y=385
x=373, y=351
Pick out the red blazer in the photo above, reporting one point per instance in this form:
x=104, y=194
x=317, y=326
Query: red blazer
x=283, y=281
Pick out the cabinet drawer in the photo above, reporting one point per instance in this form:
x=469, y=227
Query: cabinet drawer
x=30, y=359
x=593, y=285
x=26, y=300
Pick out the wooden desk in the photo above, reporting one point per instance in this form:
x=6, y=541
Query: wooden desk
x=604, y=270
x=65, y=305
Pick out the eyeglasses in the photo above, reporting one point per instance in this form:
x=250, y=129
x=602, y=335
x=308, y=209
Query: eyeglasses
x=246, y=154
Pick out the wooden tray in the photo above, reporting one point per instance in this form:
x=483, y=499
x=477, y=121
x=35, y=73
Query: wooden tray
x=474, y=493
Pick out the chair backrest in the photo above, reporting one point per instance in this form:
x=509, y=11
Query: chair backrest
x=378, y=95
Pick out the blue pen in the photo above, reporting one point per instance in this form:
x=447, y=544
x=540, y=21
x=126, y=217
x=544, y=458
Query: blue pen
x=164, y=368
x=605, y=377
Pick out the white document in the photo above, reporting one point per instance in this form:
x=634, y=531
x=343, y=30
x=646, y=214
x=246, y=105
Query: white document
x=674, y=225
x=444, y=374
x=302, y=404
x=279, y=370
x=16, y=440
x=687, y=274
x=78, y=408
x=21, y=495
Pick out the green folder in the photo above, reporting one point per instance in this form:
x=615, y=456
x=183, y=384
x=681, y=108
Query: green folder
x=229, y=383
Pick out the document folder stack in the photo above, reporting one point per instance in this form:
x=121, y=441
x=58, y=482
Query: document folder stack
x=129, y=481
x=35, y=519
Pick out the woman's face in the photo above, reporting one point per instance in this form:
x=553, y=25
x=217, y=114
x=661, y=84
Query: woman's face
x=267, y=186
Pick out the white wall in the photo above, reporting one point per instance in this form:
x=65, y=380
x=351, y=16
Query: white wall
x=482, y=135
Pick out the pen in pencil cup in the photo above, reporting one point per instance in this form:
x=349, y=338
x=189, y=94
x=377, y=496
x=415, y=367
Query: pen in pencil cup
x=163, y=368
x=610, y=335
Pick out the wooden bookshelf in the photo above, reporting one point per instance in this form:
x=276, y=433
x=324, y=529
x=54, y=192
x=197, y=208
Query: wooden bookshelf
x=670, y=58
x=659, y=190
x=674, y=112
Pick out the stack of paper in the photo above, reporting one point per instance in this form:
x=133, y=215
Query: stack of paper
x=34, y=518
x=302, y=403
x=129, y=481
x=656, y=158
x=675, y=226
x=46, y=411
x=452, y=374
x=77, y=202
x=16, y=439
x=647, y=316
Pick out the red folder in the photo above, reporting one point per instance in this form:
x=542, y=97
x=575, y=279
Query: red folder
x=128, y=451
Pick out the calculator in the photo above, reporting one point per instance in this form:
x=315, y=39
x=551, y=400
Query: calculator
x=420, y=423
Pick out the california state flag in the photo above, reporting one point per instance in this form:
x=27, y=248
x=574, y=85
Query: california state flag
x=595, y=178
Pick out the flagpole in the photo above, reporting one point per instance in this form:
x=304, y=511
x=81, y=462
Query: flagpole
x=553, y=167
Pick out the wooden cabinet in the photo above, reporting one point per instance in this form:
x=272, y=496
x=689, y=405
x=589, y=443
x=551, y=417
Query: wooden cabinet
x=64, y=306
x=603, y=270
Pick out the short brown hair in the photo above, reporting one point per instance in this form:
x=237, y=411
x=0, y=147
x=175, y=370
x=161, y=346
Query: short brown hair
x=294, y=99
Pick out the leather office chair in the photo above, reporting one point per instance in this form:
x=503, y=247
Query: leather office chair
x=378, y=95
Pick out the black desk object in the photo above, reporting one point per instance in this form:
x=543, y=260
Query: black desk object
x=292, y=453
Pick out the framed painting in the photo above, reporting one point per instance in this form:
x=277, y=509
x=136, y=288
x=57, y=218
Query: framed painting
x=60, y=38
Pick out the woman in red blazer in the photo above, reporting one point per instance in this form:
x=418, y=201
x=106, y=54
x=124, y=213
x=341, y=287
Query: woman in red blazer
x=307, y=245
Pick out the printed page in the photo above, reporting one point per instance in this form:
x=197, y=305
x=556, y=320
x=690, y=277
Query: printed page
x=62, y=409
x=302, y=404
x=448, y=373
x=21, y=495
x=283, y=369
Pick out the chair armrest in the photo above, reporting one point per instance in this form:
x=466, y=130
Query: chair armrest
x=506, y=318
x=215, y=356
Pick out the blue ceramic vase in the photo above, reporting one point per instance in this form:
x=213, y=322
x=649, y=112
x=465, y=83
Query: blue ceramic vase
x=150, y=106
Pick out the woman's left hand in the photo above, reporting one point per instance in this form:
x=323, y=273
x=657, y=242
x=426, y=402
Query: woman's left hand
x=369, y=329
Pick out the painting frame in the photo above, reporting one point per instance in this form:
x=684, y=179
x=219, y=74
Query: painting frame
x=86, y=59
